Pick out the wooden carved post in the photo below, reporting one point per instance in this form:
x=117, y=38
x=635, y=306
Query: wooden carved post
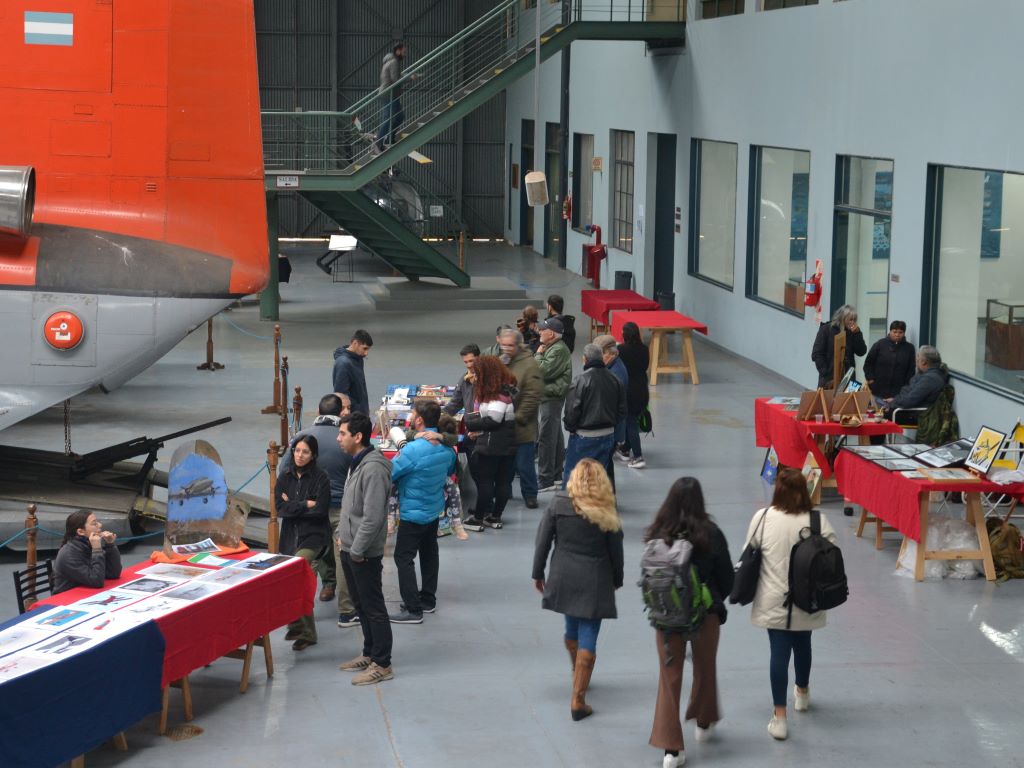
x=297, y=410
x=31, y=526
x=275, y=406
x=209, y=365
x=273, y=538
x=283, y=400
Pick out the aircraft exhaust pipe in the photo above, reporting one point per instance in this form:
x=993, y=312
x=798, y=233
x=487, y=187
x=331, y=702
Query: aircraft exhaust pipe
x=17, y=199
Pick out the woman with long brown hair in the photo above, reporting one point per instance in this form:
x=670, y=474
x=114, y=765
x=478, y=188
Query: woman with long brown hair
x=586, y=567
x=683, y=516
x=777, y=529
x=492, y=423
x=87, y=554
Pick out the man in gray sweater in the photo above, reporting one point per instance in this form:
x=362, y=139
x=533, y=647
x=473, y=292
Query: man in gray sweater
x=361, y=533
x=393, y=116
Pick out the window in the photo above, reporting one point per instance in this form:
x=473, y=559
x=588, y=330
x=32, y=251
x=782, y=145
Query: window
x=712, y=9
x=862, y=226
x=774, y=5
x=582, y=180
x=777, y=226
x=973, y=303
x=622, y=190
x=712, y=230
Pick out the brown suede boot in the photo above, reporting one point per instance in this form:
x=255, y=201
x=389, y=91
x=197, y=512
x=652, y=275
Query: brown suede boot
x=572, y=646
x=580, y=683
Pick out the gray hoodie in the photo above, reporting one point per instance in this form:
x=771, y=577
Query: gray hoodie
x=389, y=74
x=363, y=526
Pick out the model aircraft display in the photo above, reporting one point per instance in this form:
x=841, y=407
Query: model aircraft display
x=131, y=187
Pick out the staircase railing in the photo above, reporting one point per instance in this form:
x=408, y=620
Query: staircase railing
x=344, y=142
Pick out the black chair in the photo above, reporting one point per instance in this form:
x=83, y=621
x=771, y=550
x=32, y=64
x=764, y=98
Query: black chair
x=36, y=580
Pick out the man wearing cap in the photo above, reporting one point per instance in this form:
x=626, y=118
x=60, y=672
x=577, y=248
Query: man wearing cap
x=555, y=363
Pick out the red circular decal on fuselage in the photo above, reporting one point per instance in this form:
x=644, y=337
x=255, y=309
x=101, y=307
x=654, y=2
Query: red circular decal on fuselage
x=63, y=331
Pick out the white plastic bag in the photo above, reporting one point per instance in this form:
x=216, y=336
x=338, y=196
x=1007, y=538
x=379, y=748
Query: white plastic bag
x=959, y=535
x=933, y=569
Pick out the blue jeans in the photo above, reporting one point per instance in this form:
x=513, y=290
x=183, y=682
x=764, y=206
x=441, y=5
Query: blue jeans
x=526, y=454
x=583, y=631
x=785, y=642
x=598, y=448
x=633, y=437
x=394, y=116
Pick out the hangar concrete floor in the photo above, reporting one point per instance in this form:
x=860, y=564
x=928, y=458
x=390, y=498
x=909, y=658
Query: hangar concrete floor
x=905, y=674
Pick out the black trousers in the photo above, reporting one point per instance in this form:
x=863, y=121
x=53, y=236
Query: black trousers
x=417, y=539
x=493, y=484
x=367, y=592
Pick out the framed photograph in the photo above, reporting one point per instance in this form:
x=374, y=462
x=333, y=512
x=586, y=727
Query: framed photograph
x=917, y=474
x=910, y=449
x=951, y=475
x=845, y=381
x=946, y=455
x=899, y=465
x=873, y=452
x=985, y=449
x=770, y=466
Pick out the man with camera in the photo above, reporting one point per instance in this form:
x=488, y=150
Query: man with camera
x=419, y=471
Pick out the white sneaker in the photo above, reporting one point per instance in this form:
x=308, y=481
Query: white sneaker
x=703, y=734
x=637, y=463
x=674, y=761
x=778, y=728
x=619, y=456
x=803, y=700
x=549, y=488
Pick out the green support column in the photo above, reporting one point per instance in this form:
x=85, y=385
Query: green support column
x=270, y=297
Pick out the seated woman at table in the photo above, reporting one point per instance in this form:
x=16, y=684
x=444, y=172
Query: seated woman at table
x=823, y=352
x=303, y=496
x=87, y=554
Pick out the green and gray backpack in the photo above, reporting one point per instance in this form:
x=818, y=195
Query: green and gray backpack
x=675, y=598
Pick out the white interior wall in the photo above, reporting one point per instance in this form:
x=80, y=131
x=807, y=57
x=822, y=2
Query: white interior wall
x=913, y=81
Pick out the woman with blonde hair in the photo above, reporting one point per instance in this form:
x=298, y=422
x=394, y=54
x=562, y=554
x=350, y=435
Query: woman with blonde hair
x=586, y=567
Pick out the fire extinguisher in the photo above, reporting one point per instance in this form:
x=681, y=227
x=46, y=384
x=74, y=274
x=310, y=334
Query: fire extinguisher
x=812, y=289
x=567, y=207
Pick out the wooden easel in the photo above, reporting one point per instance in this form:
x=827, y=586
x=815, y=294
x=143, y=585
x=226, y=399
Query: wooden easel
x=813, y=402
x=850, y=403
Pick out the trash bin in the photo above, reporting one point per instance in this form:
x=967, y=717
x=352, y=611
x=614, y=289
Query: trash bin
x=666, y=299
x=623, y=280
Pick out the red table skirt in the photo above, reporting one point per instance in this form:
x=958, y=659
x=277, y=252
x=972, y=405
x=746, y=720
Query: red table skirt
x=207, y=629
x=776, y=427
x=896, y=499
x=597, y=304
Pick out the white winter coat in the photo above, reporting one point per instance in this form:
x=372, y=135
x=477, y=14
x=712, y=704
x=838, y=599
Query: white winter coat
x=778, y=535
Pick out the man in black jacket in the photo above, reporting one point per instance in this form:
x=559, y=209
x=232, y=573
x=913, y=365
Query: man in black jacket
x=556, y=304
x=594, y=404
x=348, y=376
x=889, y=365
x=926, y=386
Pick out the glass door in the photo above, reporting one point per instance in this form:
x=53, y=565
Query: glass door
x=861, y=243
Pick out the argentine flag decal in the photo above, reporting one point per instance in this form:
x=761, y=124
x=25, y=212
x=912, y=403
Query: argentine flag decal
x=49, y=28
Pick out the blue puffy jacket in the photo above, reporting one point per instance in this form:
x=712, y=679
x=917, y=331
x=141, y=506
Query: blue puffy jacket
x=420, y=471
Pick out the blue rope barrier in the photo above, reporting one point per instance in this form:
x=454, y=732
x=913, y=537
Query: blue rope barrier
x=22, y=532
x=238, y=328
x=266, y=466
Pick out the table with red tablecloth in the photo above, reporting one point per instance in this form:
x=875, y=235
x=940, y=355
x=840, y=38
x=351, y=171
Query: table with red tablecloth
x=775, y=427
x=659, y=323
x=903, y=503
x=205, y=630
x=598, y=305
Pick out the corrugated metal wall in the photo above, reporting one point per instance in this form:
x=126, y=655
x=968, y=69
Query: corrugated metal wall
x=326, y=54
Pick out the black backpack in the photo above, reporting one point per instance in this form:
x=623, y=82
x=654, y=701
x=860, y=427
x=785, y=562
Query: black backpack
x=817, y=577
x=675, y=598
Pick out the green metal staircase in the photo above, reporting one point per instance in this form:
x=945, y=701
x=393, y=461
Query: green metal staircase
x=330, y=157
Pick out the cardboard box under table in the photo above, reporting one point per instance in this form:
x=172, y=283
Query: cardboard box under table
x=903, y=503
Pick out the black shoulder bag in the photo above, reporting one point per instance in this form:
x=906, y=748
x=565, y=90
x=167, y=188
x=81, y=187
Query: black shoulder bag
x=748, y=569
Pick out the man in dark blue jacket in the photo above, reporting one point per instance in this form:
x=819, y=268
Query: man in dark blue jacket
x=348, y=377
x=420, y=472
x=926, y=386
